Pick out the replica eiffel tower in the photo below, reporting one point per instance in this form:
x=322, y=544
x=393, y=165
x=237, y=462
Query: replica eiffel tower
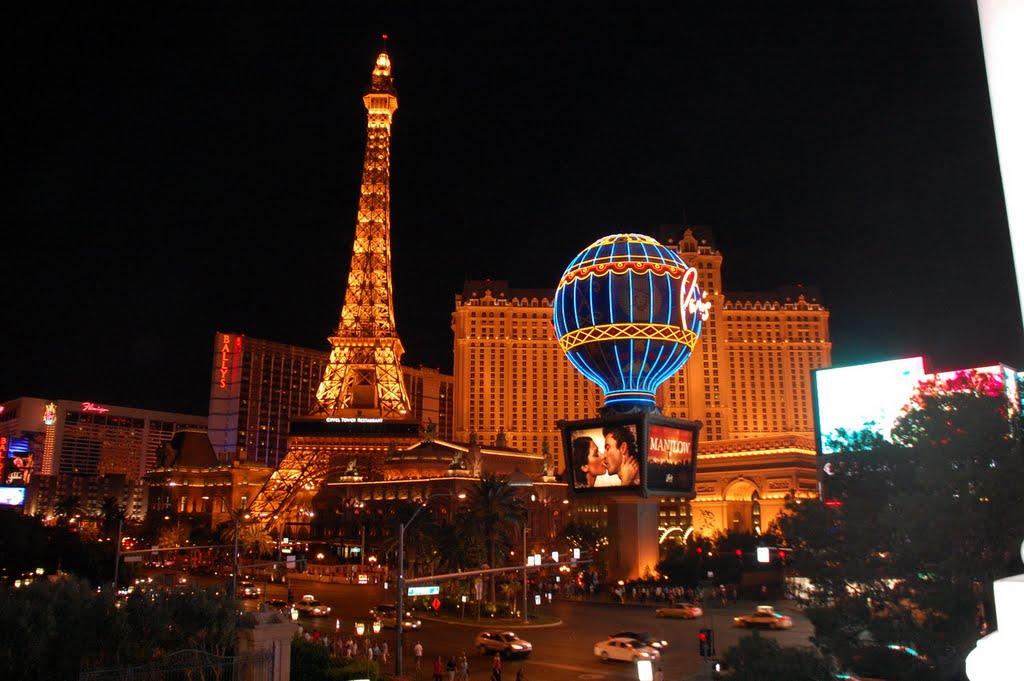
x=361, y=412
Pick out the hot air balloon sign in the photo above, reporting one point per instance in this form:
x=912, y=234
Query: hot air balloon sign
x=628, y=312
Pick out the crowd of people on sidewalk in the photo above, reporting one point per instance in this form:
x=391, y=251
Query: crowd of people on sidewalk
x=374, y=650
x=457, y=667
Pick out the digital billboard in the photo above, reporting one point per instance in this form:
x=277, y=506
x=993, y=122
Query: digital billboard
x=12, y=496
x=871, y=397
x=15, y=461
x=640, y=454
x=862, y=397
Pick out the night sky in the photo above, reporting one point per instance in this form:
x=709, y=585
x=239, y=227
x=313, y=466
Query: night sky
x=182, y=172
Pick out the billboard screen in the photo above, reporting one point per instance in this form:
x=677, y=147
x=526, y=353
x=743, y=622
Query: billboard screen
x=862, y=397
x=639, y=454
x=12, y=496
x=15, y=461
x=871, y=397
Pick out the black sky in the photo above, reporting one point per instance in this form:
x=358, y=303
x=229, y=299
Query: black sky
x=181, y=172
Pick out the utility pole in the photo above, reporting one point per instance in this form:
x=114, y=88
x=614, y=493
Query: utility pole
x=526, y=581
x=117, y=553
x=234, y=560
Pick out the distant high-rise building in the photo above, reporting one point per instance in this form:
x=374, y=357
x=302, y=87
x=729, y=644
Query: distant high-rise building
x=258, y=386
x=89, y=450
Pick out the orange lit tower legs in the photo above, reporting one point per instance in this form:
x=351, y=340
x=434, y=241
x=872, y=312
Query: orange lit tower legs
x=363, y=378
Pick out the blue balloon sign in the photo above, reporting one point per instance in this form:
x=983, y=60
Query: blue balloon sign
x=627, y=314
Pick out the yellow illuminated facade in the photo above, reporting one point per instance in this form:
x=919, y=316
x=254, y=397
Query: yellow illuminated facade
x=748, y=380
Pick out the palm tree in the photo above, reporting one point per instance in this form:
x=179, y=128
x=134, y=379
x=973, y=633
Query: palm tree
x=174, y=535
x=497, y=514
x=421, y=537
x=67, y=507
x=255, y=538
x=113, y=514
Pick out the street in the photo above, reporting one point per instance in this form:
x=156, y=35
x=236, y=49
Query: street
x=561, y=651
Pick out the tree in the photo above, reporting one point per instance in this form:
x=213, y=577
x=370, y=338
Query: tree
x=591, y=539
x=175, y=535
x=113, y=515
x=496, y=513
x=254, y=538
x=75, y=628
x=910, y=554
x=67, y=507
x=756, y=658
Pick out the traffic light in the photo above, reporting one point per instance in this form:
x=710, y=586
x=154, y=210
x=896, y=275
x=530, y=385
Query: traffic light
x=707, y=642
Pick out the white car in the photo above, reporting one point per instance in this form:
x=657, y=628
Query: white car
x=625, y=649
x=312, y=606
x=248, y=590
x=505, y=643
x=644, y=637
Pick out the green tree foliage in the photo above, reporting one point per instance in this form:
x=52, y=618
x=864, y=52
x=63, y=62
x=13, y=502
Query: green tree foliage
x=112, y=515
x=495, y=512
x=67, y=507
x=73, y=627
x=923, y=529
x=756, y=658
x=592, y=539
x=23, y=544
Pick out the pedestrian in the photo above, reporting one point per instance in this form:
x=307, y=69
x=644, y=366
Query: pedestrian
x=451, y=668
x=463, y=666
x=659, y=675
x=384, y=653
x=417, y=652
x=438, y=669
x=496, y=668
x=520, y=675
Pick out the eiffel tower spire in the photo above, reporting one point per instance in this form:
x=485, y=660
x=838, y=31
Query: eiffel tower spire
x=364, y=373
x=362, y=382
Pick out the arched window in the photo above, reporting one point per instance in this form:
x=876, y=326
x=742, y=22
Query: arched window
x=755, y=513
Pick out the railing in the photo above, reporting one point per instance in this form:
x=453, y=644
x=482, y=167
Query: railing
x=193, y=665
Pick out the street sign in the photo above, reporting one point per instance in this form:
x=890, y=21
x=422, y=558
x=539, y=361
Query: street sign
x=133, y=559
x=424, y=590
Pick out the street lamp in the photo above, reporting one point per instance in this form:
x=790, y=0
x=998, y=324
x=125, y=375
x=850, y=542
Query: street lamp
x=399, y=611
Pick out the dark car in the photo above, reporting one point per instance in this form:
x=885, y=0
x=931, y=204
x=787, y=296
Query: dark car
x=644, y=637
x=279, y=604
x=385, y=612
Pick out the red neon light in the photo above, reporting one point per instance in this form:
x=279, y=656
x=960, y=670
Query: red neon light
x=94, y=408
x=225, y=360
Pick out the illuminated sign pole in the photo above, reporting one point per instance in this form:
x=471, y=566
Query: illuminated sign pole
x=628, y=313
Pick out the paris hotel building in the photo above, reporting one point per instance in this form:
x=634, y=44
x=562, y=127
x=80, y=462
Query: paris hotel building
x=748, y=380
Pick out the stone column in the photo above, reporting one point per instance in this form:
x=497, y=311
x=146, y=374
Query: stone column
x=633, y=525
x=261, y=631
